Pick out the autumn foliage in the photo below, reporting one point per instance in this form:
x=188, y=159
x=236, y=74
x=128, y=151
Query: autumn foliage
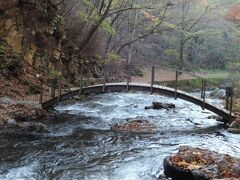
x=233, y=14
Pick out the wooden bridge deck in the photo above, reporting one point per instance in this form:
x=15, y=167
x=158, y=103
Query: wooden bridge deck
x=123, y=87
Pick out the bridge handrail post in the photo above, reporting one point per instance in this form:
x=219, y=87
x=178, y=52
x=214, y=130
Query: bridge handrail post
x=81, y=80
x=152, y=78
x=88, y=76
x=128, y=76
x=69, y=83
x=104, y=77
x=229, y=92
x=202, y=88
x=204, y=94
x=229, y=95
x=59, y=90
x=41, y=94
x=231, y=104
x=53, y=87
x=176, y=85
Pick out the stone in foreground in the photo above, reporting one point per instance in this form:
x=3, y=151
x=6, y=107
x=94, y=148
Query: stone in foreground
x=234, y=127
x=201, y=164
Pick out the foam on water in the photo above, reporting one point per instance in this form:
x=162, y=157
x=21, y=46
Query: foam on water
x=117, y=107
x=28, y=172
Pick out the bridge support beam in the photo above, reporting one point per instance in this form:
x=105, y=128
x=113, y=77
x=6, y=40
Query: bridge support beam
x=41, y=94
x=203, y=93
x=176, y=85
x=81, y=81
x=88, y=77
x=152, y=78
x=202, y=88
x=59, y=90
x=104, y=78
x=128, y=76
x=231, y=105
x=229, y=97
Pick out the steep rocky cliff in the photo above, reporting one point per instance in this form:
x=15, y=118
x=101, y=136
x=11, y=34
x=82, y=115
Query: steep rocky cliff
x=32, y=29
x=30, y=37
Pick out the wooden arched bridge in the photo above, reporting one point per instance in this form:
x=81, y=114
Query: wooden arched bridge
x=134, y=77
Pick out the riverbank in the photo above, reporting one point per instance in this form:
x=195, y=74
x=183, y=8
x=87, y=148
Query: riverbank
x=14, y=112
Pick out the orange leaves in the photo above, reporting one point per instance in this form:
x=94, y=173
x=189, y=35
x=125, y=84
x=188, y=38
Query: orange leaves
x=188, y=163
x=135, y=126
x=233, y=13
x=150, y=17
x=207, y=162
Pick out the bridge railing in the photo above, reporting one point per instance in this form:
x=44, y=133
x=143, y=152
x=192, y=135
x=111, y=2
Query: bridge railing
x=140, y=73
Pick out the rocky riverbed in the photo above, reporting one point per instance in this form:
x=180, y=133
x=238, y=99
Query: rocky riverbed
x=22, y=118
x=81, y=143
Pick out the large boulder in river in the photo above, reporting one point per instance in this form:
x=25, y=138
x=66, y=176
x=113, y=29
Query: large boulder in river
x=234, y=127
x=26, y=130
x=201, y=164
x=218, y=93
x=159, y=105
x=135, y=125
x=27, y=127
x=6, y=100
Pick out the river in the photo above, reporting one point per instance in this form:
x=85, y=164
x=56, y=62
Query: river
x=82, y=146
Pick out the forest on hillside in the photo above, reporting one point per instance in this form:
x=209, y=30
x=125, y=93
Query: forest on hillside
x=189, y=34
x=181, y=33
x=184, y=34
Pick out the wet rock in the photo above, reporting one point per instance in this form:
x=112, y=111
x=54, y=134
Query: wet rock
x=34, y=89
x=213, y=117
x=159, y=105
x=235, y=124
x=163, y=177
x=217, y=93
x=234, y=130
x=135, y=125
x=218, y=118
x=195, y=163
x=19, y=115
x=237, y=114
x=135, y=106
x=11, y=122
x=234, y=127
x=77, y=98
x=4, y=118
x=27, y=113
x=6, y=100
x=40, y=113
x=27, y=127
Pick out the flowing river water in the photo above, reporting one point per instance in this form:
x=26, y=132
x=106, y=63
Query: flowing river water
x=82, y=145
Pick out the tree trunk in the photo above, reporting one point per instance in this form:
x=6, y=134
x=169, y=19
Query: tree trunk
x=182, y=44
x=5, y=5
x=95, y=27
x=132, y=36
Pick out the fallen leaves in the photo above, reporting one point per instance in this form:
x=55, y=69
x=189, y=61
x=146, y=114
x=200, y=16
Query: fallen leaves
x=135, y=126
x=210, y=163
